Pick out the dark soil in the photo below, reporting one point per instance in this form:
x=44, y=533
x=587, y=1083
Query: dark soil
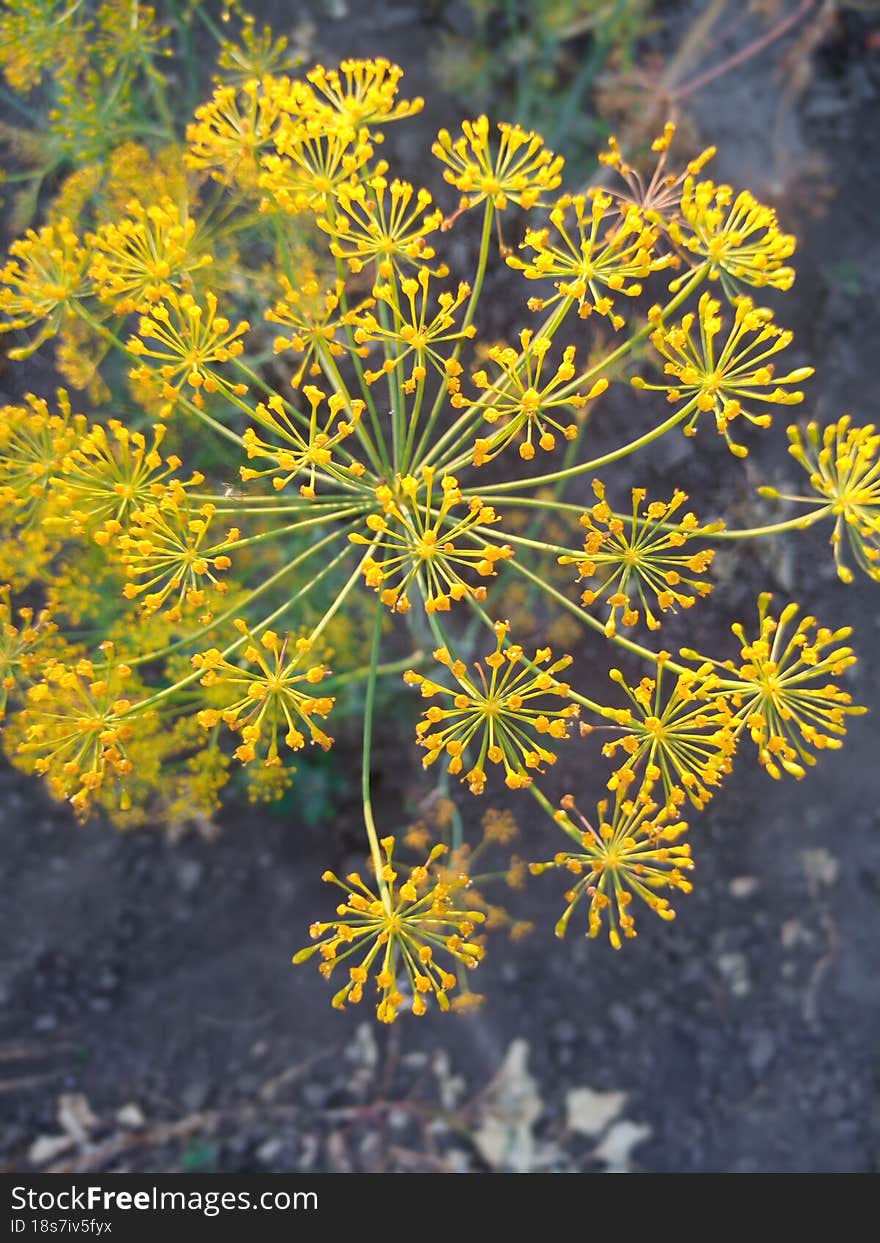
x=153, y=977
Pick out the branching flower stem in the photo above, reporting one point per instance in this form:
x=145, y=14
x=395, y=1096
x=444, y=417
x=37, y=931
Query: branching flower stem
x=366, y=793
x=605, y=365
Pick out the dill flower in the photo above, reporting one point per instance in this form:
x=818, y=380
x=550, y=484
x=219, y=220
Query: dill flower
x=33, y=443
x=658, y=197
x=268, y=785
x=305, y=445
x=684, y=741
x=594, y=258
x=233, y=129
x=499, y=825
x=34, y=37
x=77, y=725
x=382, y=222
x=739, y=239
x=186, y=340
x=268, y=697
x=174, y=775
x=311, y=165
x=80, y=126
x=417, y=541
x=22, y=650
x=158, y=174
x=258, y=54
x=145, y=256
x=42, y=281
x=417, y=330
x=79, y=352
x=123, y=40
x=776, y=688
x=502, y=716
x=521, y=403
x=399, y=928
x=520, y=171
x=639, y=559
x=107, y=475
x=721, y=382
x=498, y=829
x=360, y=92
x=168, y=559
x=634, y=852
x=843, y=463
x=314, y=318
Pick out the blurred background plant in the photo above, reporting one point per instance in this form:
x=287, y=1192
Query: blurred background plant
x=541, y=61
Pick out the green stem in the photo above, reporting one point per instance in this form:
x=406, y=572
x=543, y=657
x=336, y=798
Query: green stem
x=366, y=390
x=800, y=523
x=531, y=502
x=377, y=453
x=304, y=524
x=530, y=543
x=202, y=415
x=444, y=451
x=413, y=422
x=159, y=696
x=369, y=822
x=414, y=660
x=573, y=471
x=476, y=290
x=544, y=801
x=628, y=644
x=160, y=653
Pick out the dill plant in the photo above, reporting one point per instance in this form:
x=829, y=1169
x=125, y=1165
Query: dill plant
x=403, y=464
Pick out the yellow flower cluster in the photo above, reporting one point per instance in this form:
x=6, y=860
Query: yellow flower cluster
x=416, y=542
x=347, y=465
x=479, y=863
x=519, y=401
x=32, y=36
x=314, y=318
x=183, y=342
x=21, y=641
x=657, y=196
x=266, y=699
x=520, y=171
x=233, y=129
x=144, y=257
x=169, y=561
x=76, y=725
x=685, y=742
x=382, y=223
x=361, y=92
x=33, y=444
x=306, y=447
x=108, y=475
x=603, y=255
x=633, y=852
x=502, y=717
x=637, y=558
x=398, y=927
x=43, y=279
x=416, y=332
x=778, y=690
x=843, y=462
x=737, y=237
x=723, y=382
